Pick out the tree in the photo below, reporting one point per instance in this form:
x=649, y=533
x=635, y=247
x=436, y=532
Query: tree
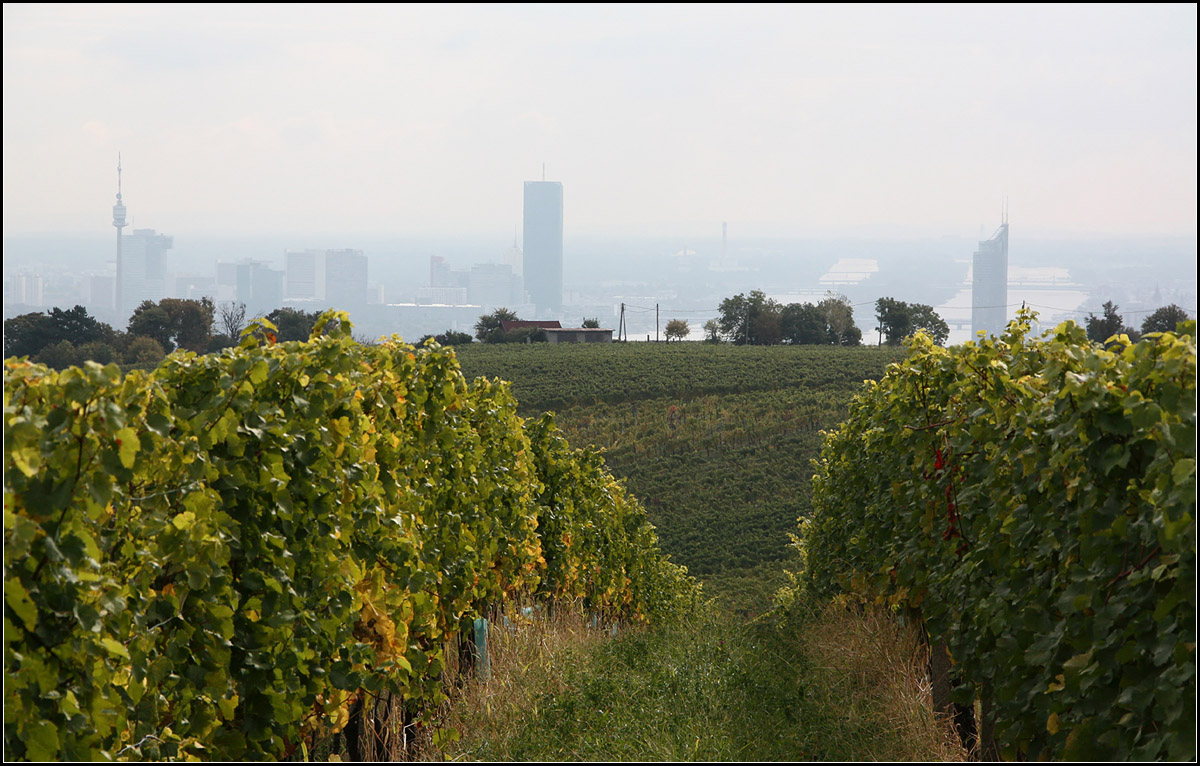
x=449, y=338
x=489, y=323
x=752, y=320
x=593, y=323
x=712, y=331
x=1101, y=328
x=28, y=334
x=143, y=350
x=96, y=351
x=894, y=320
x=231, y=319
x=191, y=322
x=60, y=355
x=677, y=329
x=839, y=316
x=150, y=320
x=292, y=324
x=803, y=324
x=898, y=320
x=923, y=317
x=1166, y=319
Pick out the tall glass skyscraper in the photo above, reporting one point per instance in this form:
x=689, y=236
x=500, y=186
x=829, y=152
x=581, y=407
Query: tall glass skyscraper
x=542, y=262
x=989, y=285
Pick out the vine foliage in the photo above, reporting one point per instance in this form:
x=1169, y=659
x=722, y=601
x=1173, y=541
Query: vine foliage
x=1032, y=501
x=215, y=559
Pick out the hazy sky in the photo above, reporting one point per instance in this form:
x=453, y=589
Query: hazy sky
x=403, y=120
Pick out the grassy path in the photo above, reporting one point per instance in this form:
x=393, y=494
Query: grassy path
x=837, y=686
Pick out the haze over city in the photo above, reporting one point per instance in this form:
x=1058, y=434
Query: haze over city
x=799, y=120
x=862, y=149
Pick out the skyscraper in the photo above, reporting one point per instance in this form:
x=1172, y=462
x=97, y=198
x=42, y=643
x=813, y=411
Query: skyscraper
x=346, y=279
x=989, y=284
x=542, y=263
x=305, y=271
x=143, y=269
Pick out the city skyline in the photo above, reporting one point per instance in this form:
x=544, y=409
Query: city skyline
x=910, y=121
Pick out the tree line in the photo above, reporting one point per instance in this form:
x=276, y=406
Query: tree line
x=1110, y=323
x=757, y=320
x=60, y=338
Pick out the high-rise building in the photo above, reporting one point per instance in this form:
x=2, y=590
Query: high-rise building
x=142, y=268
x=25, y=288
x=251, y=282
x=493, y=285
x=542, y=263
x=305, y=271
x=333, y=278
x=989, y=284
x=345, y=279
x=102, y=291
x=439, y=272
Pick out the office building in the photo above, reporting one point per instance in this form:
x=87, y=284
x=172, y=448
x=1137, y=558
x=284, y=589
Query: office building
x=345, y=279
x=439, y=272
x=332, y=278
x=305, y=270
x=989, y=285
x=542, y=259
x=493, y=285
x=142, y=269
x=25, y=289
x=251, y=282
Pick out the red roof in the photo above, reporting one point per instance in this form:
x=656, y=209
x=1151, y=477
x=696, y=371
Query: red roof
x=517, y=324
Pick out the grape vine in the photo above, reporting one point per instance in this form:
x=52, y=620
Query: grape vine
x=1032, y=502
x=214, y=559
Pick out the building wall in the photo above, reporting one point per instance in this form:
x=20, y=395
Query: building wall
x=572, y=335
x=542, y=261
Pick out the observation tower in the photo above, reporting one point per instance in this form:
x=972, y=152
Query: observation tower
x=119, y=222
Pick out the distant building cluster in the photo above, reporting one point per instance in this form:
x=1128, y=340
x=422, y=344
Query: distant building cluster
x=526, y=279
x=529, y=279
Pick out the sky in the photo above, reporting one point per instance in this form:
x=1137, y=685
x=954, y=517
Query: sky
x=425, y=120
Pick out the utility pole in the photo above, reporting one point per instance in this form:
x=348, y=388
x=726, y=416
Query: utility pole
x=656, y=323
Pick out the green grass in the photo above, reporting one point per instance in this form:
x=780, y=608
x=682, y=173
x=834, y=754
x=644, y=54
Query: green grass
x=709, y=688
